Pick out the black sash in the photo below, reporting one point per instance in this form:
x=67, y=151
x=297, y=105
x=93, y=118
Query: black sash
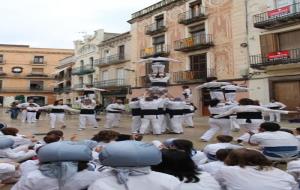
x=114, y=112
x=161, y=111
x=31, y=111
x=214, y=89
x=249, y=115
x=87, y=111
x=275, y=108
x=229, y=91
x=148, y=112
x=174, y=112
x=57, y=111
x=187, y=111
x=136, y=112
x=212, y=116
x=159, y=84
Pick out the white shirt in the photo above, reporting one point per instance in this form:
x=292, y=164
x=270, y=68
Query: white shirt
x=211, y=167
x=19, y=140
x=175, y=105
x=249, y=178
x=213, y=84
x=35, y=180
x=115, y=107
x=220, y=108
x=212, y=149
x=6, y=169
x=152, y=181
x=29, y=166
x=234, y=87
x=199, y=158
x=207, y=182
x=275, y=104
x=150, y=105
x=61, y=107
x=274, y=139
x=24, y=105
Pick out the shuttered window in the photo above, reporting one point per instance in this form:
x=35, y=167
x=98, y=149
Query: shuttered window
x=289, y=40
x=269, y=43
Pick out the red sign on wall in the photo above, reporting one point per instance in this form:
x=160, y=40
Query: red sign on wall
x=279, y=55
x=279, y=11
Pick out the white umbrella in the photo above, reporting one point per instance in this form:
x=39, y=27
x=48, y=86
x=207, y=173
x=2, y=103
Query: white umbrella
x=158, y=59
x=90, y=89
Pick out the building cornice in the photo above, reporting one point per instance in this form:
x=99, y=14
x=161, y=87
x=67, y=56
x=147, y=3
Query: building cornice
x=117, y=39
x=36, y=52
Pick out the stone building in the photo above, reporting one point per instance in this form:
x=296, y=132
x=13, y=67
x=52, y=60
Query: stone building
x=209, y=37
x=274, y=46
x=115, y=68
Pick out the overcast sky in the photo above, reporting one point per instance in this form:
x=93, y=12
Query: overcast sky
x=57, y=23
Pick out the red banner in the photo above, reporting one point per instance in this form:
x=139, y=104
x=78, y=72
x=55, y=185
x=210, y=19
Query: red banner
x=279, y=55
x=279, y=11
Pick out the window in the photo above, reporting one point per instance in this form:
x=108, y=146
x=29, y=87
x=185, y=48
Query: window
x=38, y=60
x=90, y=79
x=1, y=58
x=158, y=43
x=91, y=60
x=104, y=75
x=80, y=80
x=1, y=84
x=198, y=63
x=159, y=20
x=289, y=40
x=37, y=70
x=1, y=69
x=121, y=52
x=36, y=85
x=120, y=73
x=195, y=8
x=81, y=63
x=283, y=3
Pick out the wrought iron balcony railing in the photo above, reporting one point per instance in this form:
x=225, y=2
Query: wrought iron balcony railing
x=111, y=83
x=155, y=28
x=196, y=42
x=66, y=89
x=83, y=70
x=190, y=17
x=275, y=58
x=30, y=89
x=113, y=59
x=278, y=17
x=156, y=50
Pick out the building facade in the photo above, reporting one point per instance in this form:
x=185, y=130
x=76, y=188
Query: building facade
x=209, y=37
x=274, y=42
x=116, y=72
x=63, y=76
x=26, y=73
x=84, y=71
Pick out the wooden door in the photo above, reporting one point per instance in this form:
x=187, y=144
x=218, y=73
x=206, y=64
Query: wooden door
x=269, y=43
x=288, y=93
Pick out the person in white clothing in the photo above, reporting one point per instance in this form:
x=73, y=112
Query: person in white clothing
x=223, y=123
x=63, y=166
x=158, y=68
x=275, y=144
x=31, y=113
x=58, y=113
x=175, y=109
x=179, y=164
x=87, y=113
x=134, y=172
x=187, y=93
x=136, y=115
x=214, y=167
x=23, y=107
x=9, y=173
x=249, y=169
x=275, y=105
x=231, y=90
x=249, y=115
x=223, y=143
x=158, y=84
x=188, y=113
x=19, y=140
x=293, y=168
x=214, y=88
x=113, y=114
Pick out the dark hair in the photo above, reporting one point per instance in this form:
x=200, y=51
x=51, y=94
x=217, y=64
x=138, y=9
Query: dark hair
x=298, y=129
x=224, y=138
x=270, y=126
x=134, y=99
x=246, y=101
x=56, y=102
x=148, y=99
x=106, y=136
x=287, y=130
x=214, y=102
x=51, y=138
x=179, y=164
x=222, y=154
x=209, y=79
x=247, y=157
x=56, y=132
x=185, y=145
x=10, y=131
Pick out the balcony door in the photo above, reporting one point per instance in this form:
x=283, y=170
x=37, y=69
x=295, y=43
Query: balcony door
x=121, y=52
x=120, y=76
x=195, y=8
x=159, y=22
x=159, y=44
x=198, y=34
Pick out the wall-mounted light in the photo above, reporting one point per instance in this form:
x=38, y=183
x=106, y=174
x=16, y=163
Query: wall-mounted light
x=244, y=45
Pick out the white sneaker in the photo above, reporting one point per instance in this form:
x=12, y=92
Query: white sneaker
x=81, y=129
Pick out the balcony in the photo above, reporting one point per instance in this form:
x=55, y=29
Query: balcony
x=36, y=63
x=37, y=74
x=62, y=90
x=154, y=29
x=278, y=17
x=27, y=90
x=275, y=58
x=111, y=83
x=197, y=42
x=157, y=50
x=189, y=76
x=110, y=60
x=83, y=70
x=190, y=17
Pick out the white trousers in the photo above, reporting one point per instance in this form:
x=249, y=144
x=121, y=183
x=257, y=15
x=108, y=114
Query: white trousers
x=112, y=120
x=150, y=120
x=252, y=127
x=56, y=117
x=31, y=117
x=230, y=97
x=23, y=115
x=234, y=124
x=136, y=124
x=85, y=119
x=176, y=123
x=275, y=117
x=158, y=69
x=162, y=122
x=188, y=120
x=217, y=95
x=215, y=126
